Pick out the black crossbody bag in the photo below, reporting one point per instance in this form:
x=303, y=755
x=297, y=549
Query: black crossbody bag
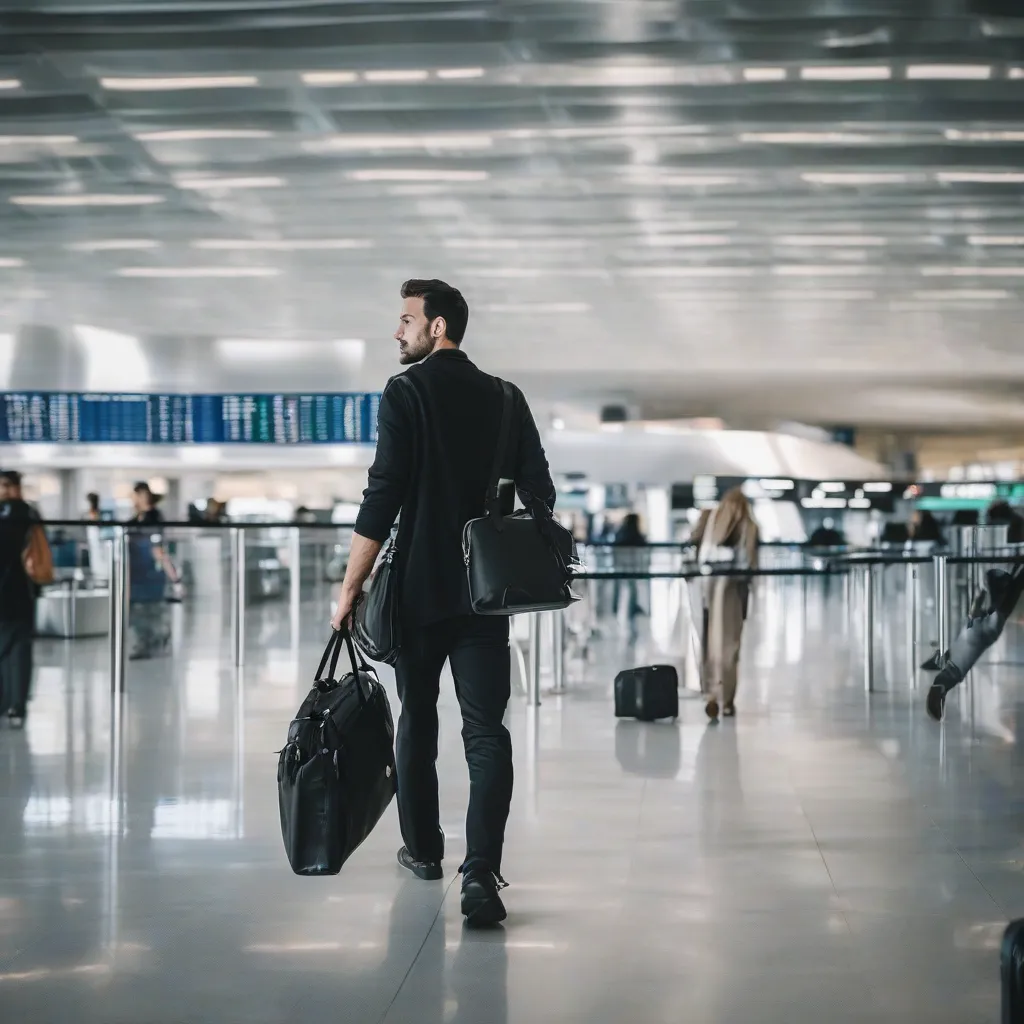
x=521, y=562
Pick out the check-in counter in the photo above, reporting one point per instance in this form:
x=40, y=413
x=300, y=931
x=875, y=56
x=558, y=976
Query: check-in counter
x=73, y=608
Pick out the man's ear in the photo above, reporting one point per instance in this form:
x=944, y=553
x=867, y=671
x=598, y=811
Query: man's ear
x=439, y=328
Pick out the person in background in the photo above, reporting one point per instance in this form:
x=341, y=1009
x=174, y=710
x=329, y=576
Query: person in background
x=92, y=512
x=826, y=536
x=990, y=611
x=629, y=536
x=150, y=568
x=216, y=511
x=1001, y=514
x=728, y=534
x=924, y=527
x=17, y=598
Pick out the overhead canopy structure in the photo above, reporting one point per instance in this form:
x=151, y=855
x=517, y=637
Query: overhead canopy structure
x=640, y=457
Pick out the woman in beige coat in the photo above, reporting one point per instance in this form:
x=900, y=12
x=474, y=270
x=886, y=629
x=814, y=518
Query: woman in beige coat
x=728, y=534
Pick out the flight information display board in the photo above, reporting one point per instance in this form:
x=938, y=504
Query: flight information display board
x=51, y=417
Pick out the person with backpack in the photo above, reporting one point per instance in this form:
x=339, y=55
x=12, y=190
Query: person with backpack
x=25, y=564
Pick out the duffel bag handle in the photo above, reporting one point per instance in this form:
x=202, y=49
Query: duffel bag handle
x=332, y=651
x=355, y=665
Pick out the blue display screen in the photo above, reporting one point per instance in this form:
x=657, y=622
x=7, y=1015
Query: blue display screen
x=99, y=418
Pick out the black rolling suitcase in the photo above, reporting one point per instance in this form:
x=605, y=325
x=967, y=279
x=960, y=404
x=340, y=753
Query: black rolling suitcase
x=336, y=774
x=647, y=693
x=1011, y=969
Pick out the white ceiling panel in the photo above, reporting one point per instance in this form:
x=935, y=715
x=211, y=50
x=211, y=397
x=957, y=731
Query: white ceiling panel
x=751, y=209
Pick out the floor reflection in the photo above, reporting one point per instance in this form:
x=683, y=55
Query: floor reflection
x=821, y=839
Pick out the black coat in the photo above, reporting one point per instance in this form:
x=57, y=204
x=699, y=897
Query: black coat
x=17, y=591
x=437, y=473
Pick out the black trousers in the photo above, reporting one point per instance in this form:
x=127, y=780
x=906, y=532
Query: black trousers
x=15, y=665
x=477, y=648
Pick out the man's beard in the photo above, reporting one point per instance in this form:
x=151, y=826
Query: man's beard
x=418, y=350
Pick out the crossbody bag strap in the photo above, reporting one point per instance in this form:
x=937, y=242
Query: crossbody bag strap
x=501, y=450
x=419, y=410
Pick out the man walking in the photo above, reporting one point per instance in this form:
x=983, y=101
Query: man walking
x=19, y=525
x=437, y=434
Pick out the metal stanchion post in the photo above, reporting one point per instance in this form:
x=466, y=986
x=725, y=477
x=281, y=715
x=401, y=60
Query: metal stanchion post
x=119, y=597
x=295, y=564
x=73, y=609
x=238, y=563
x=912, y=602
x=942, y=604
x=533, y=694
x=869, y=630
x=558, y=650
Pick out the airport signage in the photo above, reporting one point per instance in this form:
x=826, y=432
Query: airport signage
x=838, y=495
x=50, y=417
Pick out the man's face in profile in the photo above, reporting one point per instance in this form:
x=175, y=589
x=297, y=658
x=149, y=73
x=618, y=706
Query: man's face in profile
x=415, y=341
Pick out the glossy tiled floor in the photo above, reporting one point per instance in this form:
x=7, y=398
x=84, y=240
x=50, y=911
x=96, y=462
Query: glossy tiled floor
x=828, y=856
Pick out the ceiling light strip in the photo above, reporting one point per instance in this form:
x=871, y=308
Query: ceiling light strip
x=397, y=76
x=855, y=178
x=202, y=134
x=198, y=272
x=1012, y=240
x=38, y=140
x=846, y=73
x=949, y=72
x=114, y=245
x=972, y=271
x=837, y=241
x=280, y=244
x=765, y=74
x=415, y=174
x=459, y=74
x=965, y=295
x=213, y=184
x=86, y=199
x=174, y=84
x=980, y=177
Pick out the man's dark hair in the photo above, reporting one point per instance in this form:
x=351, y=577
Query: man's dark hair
x=440, y=299
x=142, y=488
x=11, y=477
x=93, y=499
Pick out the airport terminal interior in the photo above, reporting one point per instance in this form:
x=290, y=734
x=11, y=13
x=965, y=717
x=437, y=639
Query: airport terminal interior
x=738, y=254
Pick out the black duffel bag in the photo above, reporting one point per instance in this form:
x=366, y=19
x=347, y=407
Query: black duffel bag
x=522, y=562
x=336, y=774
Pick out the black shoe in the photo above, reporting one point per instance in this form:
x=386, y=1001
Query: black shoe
x=481, y=904
x=934, y=663
x=14, y=720
x=428, y=870
x=936, y=701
